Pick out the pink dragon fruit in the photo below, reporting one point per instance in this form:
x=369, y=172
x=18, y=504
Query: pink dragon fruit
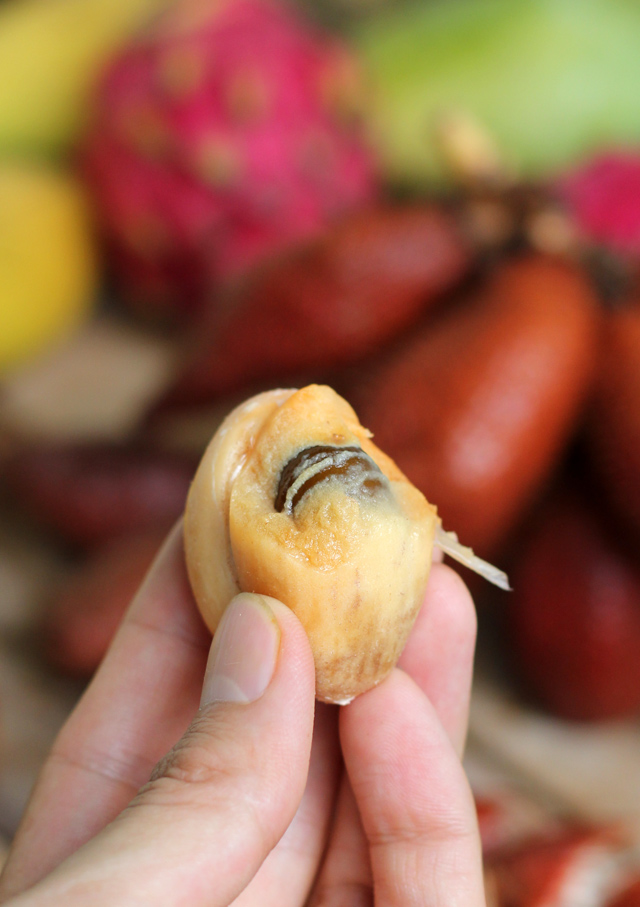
x=604, y=198
x=227, y=131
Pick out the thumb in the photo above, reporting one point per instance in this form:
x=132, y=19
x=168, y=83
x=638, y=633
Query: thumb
x=224, y=795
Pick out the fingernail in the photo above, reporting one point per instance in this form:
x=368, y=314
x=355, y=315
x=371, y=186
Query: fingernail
x=243, y=653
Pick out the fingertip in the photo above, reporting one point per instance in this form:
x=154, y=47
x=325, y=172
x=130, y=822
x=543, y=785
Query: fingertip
x=395, y=749
x=441, y=646
x=243, y=656
x=295, y=658
x=259, y=644
x=372, y=732
x=413, y=796
x=448, y=597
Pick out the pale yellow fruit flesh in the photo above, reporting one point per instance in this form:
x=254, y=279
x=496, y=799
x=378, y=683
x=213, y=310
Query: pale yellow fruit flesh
x=206, y=521
x=353, y=568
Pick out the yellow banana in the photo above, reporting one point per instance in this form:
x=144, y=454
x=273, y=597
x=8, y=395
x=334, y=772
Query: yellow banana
x=50, y=54
x=48, y=261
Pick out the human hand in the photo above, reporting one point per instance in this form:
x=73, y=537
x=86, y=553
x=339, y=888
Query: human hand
x=254, y=805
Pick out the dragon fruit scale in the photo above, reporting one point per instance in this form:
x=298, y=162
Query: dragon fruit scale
x=228, y=130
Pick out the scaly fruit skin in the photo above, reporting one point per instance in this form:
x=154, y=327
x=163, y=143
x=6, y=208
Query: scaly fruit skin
x=84, y=612
x=614, y=426
x=51, y=52
x=573, y=625
x=476, y=406
x=325, y=303
x=90, y=494
x=48, y=263
x=224, y=134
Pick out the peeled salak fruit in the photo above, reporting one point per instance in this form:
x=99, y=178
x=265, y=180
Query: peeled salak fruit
x=476, y=406
x=549, y=79
x=293, y=500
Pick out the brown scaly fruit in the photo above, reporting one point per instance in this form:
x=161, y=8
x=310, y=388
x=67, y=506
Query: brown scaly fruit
x=89, y=494
x=83, y=614
x=476, y=406
x=573, y=623
x=327, y=302
x=615, y=417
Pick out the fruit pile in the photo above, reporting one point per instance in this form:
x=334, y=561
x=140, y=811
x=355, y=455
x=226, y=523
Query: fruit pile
x=268, y=190
x=240, y=166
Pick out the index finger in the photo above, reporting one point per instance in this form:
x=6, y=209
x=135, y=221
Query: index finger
x=416, y=807
x=139, y=703
x=440, y=651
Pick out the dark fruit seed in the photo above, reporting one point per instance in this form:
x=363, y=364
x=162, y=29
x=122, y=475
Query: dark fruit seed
x=302, y=460
x=372, y=478
x=352, y=465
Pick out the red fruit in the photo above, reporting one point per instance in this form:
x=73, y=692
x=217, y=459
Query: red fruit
x=90, y=494
x=476, y=407
x=630, y=897
x=615, y=420
x=218, y=137
x=327, y=302
x=492, y=819
x=574, y=618
x=506, y=818
x=574, y=867
x=84, y=614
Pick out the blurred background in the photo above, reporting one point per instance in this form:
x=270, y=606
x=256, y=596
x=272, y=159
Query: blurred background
x=432, y=206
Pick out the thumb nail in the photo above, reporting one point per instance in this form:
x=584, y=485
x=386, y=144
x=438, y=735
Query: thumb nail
x=244, y=652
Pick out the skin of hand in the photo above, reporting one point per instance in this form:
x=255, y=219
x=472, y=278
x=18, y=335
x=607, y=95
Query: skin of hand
x=165, y=790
